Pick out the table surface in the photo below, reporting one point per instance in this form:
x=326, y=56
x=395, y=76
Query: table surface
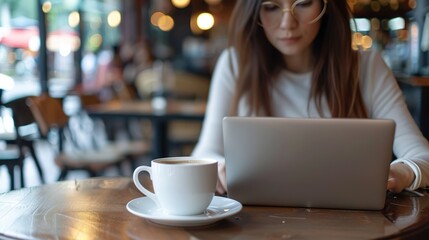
x=95, y=208
x=417, y=81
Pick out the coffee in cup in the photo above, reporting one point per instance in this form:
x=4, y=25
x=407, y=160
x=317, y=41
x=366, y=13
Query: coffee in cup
x=182, y=185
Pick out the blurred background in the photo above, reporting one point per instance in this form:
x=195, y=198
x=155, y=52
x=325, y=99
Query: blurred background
x=81, y=36
x=78, y=37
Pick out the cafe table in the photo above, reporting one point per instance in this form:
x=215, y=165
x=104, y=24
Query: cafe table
x=158, y=112
x=95, y=208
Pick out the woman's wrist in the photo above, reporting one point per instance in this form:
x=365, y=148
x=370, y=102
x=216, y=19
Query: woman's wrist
x=416, y=179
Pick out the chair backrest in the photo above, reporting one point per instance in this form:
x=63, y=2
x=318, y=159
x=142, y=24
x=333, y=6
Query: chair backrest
x=23, y=120
x=48, y=113
x=21, y=113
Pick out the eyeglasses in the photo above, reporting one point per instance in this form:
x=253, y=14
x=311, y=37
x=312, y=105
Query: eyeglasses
x=304, y=11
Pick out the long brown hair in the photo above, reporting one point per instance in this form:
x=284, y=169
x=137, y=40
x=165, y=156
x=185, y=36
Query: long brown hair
x=335, y=73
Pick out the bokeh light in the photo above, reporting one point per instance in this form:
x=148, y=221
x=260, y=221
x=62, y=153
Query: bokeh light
x=205, y=21
x=180, y=3
x=165, y=23
x=114, y=18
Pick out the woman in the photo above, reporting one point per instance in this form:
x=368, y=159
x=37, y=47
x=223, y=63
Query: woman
x=293, y=58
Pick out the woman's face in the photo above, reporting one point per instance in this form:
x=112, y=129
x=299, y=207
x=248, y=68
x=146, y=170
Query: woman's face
x=289, y=24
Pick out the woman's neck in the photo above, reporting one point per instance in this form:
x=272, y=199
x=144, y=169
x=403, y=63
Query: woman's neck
x=300, y=63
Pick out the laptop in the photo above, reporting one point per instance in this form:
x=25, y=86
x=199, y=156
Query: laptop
x=313, y=163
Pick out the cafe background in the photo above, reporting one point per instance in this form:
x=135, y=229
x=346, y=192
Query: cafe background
x=80, y=35
x=62, y=46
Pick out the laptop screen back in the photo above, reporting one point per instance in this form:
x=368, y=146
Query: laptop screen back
x=326, y=163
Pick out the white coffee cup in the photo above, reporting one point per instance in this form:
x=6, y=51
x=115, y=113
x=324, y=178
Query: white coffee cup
x=182, y=185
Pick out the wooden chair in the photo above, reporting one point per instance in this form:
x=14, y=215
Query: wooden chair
x=23, y=119
x=50, y=116
x=131, y=148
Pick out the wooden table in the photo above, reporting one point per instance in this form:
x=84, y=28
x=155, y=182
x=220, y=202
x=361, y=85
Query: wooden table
x=174, y=110
x=95, y=209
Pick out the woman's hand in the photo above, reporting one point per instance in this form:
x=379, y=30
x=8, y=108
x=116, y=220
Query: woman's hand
x=221, y=180
x=401, y=176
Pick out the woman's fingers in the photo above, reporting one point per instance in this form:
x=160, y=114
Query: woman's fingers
x=392, y=185
x=400, y=177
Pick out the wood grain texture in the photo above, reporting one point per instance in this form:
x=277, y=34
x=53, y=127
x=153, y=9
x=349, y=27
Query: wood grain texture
x=95, y=209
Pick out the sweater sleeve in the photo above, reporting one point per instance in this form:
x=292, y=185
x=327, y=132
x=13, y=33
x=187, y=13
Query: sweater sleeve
x=210, y=143
x=385, y=100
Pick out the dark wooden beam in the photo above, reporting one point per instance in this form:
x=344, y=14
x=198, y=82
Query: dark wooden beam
x=43, y=52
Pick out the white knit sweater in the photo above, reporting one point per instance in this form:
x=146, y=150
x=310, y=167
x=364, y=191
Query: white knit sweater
x=381, y=94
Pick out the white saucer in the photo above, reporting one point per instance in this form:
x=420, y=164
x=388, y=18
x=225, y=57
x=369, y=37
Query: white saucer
x=219, y=208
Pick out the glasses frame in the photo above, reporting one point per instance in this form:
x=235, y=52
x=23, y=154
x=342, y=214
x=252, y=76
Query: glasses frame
x=290, y=10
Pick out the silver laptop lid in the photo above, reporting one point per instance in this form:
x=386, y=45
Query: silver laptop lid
x=326, y=163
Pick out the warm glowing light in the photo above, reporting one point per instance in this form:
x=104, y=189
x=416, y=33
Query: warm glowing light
x=366, y=42
x=47, y=6
x=155, y=18
x=180, y=3
x=114, y=18
x=165, y=23
x=357, y=38
x=205, y=21
x=360, y=41
x=74, y=19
